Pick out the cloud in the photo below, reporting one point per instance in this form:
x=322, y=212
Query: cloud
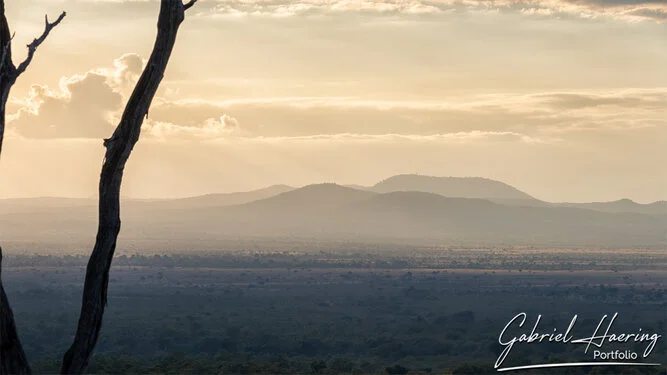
x=638, y=100
x=472, y=137
x=82, y=107
x=210, y=128
x=88, y=106
x=631, y=10
x=127, y=69
x=536, y=114
x=656, y=14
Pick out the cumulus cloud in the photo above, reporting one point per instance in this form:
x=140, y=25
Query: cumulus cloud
x=89, y=105
x=127, y=69
x=83, y=106
x=80, y=109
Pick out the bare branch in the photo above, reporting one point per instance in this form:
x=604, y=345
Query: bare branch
x=189, y=4
x=32, y=47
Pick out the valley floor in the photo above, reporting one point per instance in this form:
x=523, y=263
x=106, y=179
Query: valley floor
x=341, y=311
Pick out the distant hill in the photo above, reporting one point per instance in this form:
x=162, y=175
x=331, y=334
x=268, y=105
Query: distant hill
x=38, y=204
x=330, y=212
x=334, y=212
x=311, y=198
x=24, y=205
x=227, y=199
x=623, y=205
x=358, y=187
x=453, y=187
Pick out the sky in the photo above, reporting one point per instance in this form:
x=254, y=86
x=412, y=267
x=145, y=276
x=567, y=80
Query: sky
x=563, y=99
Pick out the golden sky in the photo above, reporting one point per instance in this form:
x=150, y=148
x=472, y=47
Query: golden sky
x=564, y=99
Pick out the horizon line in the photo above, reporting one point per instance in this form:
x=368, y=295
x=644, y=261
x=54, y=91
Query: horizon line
x=351, y=186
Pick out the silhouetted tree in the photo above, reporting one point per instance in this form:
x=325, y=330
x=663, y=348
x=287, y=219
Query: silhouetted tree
x=12, y=356
x=397, y=370
x=118, y=150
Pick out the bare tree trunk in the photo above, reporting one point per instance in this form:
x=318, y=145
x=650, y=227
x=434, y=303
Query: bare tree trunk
x=118, y=150
x=7, y=75
x=12, y=356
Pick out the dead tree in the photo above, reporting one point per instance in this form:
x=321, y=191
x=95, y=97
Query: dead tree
x=12, y=356
x=118, y=150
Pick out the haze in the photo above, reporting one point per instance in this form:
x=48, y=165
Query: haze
x=566, y=100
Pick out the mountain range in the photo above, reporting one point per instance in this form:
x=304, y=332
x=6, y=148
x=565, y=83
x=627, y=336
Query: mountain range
x=404, y=209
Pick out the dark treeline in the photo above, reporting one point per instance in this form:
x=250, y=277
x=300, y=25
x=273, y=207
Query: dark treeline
x=337, y=256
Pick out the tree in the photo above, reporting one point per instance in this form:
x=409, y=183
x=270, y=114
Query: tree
x=397, y=370
x=118, y=150
x=12, y=356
